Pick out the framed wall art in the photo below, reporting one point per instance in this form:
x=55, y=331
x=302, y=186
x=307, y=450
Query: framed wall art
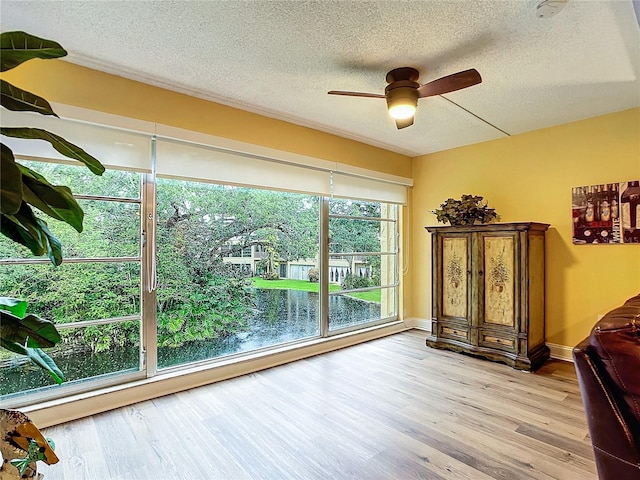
x=606, y=213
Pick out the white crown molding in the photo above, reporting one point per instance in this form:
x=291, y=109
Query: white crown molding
x=95, y=64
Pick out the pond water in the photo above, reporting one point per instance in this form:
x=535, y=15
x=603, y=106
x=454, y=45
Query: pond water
x=281, y=316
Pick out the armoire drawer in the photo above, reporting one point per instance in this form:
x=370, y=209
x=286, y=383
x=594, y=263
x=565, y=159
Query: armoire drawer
x=452, y=331
x=491, y=339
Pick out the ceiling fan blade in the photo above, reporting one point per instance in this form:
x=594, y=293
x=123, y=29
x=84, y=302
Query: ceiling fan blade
x=404, y=122
x=356, y=94
x=450, y=83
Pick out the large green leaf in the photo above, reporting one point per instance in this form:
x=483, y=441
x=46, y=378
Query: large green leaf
x=54, y=247
x=45, y=362
x=16, y=99
x=31, y=331
x=10, y=182
x=24, y=230
x=37, y=356
x=13, y=346
x=18, y=47
x=66, y=148
x=14, y=232
x=14, y=305
x=28, y=230
x=55, y=201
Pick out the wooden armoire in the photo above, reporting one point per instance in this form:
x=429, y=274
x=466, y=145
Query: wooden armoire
x=488, y=291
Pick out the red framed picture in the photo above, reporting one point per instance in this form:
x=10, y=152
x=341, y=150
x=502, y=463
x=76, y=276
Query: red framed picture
x=606, y=213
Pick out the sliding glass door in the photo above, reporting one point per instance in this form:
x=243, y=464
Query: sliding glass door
x=235, y=270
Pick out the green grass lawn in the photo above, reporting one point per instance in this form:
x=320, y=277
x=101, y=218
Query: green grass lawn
x=370, y=296
x=288, y=284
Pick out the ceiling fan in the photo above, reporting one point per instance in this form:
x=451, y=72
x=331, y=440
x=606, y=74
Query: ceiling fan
x=403, y=91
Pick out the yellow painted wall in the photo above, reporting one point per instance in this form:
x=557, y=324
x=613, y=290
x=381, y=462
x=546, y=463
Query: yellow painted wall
x=529, y=177
x=64, y=82
x=525, y=177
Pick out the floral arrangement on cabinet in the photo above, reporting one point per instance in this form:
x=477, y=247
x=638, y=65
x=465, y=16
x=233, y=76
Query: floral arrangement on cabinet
x=468, y=210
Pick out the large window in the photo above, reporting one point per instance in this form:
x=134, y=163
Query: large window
x=94, y=296
x=200, y=254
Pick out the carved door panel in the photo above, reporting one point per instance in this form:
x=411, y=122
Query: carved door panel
x=455, y=283
x=498, y=280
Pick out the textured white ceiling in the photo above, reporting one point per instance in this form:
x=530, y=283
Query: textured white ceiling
x=279, y=58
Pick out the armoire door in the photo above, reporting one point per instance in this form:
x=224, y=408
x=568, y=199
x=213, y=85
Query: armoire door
x=454, y=271
x=498, y=289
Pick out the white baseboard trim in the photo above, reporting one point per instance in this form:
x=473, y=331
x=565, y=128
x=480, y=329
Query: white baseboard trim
x=419, y=323
x=561, y=352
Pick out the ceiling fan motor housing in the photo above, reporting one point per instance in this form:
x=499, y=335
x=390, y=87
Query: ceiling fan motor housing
x=402, y=73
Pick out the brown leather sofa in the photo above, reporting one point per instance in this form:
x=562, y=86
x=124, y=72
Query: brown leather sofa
x=608, y=367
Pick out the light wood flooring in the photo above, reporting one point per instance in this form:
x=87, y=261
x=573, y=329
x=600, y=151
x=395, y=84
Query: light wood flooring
x=387, y=409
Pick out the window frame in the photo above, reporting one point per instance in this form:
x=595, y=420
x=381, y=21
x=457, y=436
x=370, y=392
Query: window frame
x=345, y=176
x=394, y=285
x=66, y=389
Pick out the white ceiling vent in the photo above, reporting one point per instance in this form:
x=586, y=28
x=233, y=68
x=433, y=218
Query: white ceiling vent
x=549, y=8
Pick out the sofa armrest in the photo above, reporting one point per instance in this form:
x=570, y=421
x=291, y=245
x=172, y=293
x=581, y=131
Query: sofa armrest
x=615, y=441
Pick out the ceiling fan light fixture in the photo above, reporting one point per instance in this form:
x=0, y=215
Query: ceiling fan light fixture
x=402, y=102
x=400, y=112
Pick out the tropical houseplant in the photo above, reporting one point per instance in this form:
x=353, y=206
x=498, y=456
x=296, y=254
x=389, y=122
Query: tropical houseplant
x=21, y=190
